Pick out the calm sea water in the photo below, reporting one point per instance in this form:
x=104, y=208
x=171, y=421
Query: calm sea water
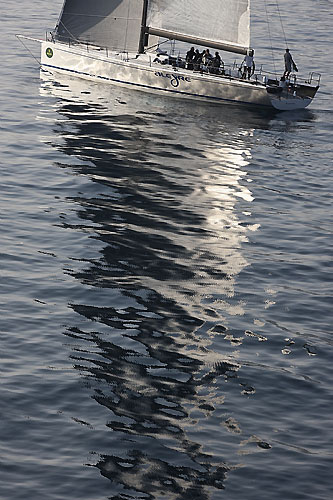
x=166, y=284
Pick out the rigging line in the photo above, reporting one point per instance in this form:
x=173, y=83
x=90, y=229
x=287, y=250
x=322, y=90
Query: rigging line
x=32, y=55
x=284, y=35
x=270, y=38
x=156, y=45
x=126, y=32
x=70, y=34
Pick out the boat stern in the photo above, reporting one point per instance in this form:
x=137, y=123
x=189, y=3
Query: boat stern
x=292, y=95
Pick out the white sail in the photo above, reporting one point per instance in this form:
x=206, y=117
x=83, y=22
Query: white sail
x=221, y=22
x=115, y=24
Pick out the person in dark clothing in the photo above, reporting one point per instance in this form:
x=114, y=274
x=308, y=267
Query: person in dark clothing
x=189, y=58
x=289, y=64
x=197, y=60
x=216, y=64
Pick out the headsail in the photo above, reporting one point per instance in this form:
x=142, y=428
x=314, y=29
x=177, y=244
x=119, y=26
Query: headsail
x=115, y=24
x=223, y=24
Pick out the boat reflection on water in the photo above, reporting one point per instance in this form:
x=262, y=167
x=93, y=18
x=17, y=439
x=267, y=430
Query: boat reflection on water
x=169, y=204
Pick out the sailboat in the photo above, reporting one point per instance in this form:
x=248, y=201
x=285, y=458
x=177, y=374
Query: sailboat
x=121, y=42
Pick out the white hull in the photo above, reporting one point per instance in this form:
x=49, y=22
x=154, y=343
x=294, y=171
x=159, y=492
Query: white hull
x=142, y=73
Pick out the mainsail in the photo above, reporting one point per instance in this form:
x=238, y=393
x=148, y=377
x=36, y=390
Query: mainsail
x=223, y=24
x=115, y=24
x=125, y=24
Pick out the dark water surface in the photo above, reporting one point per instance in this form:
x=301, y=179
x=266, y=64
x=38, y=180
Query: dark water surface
x=166, y=298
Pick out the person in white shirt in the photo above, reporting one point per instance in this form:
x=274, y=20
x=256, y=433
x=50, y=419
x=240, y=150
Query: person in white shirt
x=248, y=65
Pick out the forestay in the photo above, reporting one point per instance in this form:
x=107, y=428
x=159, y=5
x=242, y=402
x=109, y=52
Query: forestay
x=115, y=24
x=222, y=24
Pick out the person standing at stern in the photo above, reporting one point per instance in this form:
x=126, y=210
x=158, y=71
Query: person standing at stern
x=289, y=64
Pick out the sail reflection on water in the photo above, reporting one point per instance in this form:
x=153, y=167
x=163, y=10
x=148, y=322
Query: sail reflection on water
x=167, y=200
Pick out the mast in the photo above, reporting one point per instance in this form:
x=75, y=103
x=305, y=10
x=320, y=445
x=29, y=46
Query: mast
x=144, y=31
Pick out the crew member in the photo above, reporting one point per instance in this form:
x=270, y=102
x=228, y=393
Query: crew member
x=189, y=58
x=289, y=64
x=249, y=65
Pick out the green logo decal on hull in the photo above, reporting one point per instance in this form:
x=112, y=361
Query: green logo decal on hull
x=49, y=52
